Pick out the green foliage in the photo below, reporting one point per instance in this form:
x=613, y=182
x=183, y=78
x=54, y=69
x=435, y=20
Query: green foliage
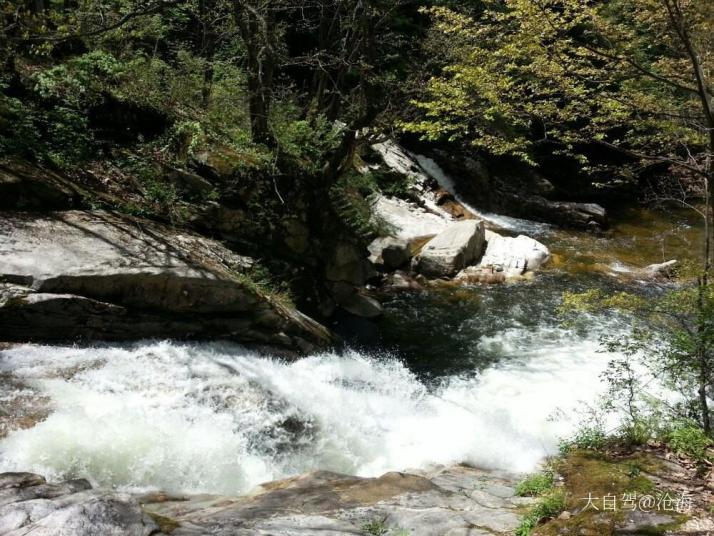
x=536, y=484
x=18, y=129
x=79, y=82
x=689, y=440
x=394, y=184
x=548, y=507
x=351, y=200
x=639, y=431
x=517, y=74
x=375, y=527
x=587, y=437
x=303, y=142
x=58, y=135
x=262, y=279
x=188, y=138
x=671, y=341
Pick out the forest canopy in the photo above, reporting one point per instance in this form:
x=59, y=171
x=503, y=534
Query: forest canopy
x=294, y=81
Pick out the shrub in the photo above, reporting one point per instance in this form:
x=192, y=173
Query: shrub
x=79, y=82
x=549, y=506
x=638, y=432
x=689, y=440
x=304, y=142
x=375, y=528
x=535, y=484
x=591, y=437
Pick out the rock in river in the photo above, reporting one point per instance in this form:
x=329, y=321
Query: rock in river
x=456, y=247
x=514, y=256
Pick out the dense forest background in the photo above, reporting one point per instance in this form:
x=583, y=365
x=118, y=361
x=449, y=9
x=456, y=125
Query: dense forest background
x=247, y=119
x=288, y=86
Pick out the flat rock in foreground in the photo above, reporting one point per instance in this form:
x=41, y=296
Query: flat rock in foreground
x=100, y=275
x=454, y=501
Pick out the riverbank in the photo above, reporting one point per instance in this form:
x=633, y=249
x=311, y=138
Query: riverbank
x=584, y=492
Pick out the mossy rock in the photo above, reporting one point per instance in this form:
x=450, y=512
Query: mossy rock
x=597, y=475
x=166, y=524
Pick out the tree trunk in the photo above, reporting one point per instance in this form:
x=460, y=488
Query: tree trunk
x=257, y=28
x=207, y=47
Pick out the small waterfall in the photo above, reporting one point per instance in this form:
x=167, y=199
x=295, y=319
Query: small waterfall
x=508, y=223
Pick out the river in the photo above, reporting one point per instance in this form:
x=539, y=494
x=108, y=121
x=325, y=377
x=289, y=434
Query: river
x=483, y=375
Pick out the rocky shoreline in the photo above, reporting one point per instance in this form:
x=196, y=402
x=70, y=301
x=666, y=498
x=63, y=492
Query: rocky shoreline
x=445, y=501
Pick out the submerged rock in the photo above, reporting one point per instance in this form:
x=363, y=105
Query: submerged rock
x=458, y=246
x=100, y=275
x=356, y=301
x=400, y=280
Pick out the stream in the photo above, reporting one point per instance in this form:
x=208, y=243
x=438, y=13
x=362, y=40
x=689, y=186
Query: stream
x=483, y=375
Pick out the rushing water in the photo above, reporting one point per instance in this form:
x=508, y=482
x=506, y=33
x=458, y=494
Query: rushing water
x=484, y=375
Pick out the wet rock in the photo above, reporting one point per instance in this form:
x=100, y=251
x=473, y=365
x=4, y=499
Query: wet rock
x=29, y=505
x=488, y=275
x=356, y=301
x=458, y=246
x=400, y=280
x=563, y=213
x=102, y=275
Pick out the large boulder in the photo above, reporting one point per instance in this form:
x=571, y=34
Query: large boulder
x=513, y=256
x=100, y=275
x=456, y=247
x=407, y=220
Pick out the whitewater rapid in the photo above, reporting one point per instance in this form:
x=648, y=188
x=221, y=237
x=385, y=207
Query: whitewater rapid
x=214, y=417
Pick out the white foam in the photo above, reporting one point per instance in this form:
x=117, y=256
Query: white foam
x=216, y=418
